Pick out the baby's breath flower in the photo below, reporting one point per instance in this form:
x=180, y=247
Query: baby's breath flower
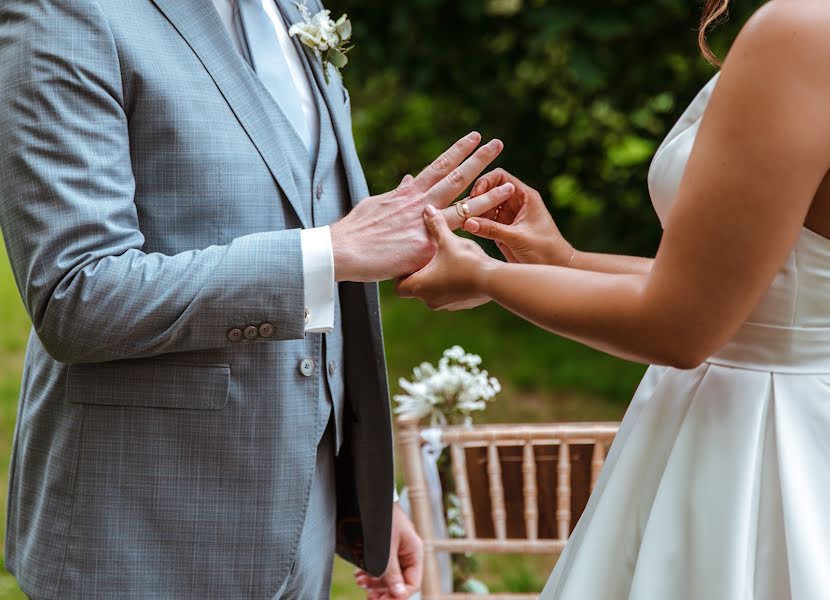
x=449, y=393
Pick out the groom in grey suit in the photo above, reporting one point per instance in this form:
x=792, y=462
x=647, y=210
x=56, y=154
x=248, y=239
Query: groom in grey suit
x=204, y=405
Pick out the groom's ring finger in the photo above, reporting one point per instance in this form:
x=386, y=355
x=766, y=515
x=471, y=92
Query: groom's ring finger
x=456, y=215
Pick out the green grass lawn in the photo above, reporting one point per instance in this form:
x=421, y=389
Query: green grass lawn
x=545, y=379
x=14, y=329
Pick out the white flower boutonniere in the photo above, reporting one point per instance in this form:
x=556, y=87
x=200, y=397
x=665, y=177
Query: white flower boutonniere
x=328, y=38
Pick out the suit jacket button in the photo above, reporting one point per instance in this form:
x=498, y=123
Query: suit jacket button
x=332, y=367
x=266, y=330
x=251, y=332
x=320, y=190
x=235, y=335
x=307, y=367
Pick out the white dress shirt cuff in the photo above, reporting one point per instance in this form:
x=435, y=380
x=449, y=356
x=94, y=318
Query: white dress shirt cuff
x=319, y=284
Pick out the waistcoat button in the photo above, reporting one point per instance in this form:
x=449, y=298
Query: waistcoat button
x=307, y=367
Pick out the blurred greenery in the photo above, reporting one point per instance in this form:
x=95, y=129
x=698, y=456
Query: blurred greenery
x=581, y=94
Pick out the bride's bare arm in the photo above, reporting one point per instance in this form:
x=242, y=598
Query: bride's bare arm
x=761, y=154
x=611, y=263
x=525, y=232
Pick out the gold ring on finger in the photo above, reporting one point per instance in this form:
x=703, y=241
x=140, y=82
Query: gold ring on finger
x=463, y=210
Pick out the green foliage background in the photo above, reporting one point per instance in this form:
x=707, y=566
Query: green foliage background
x=581, y=93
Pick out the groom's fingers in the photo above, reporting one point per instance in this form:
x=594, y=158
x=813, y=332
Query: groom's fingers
x=367, y=582
x=450, y=187
x=406, y=179
x=478, y=205
x=449, y=160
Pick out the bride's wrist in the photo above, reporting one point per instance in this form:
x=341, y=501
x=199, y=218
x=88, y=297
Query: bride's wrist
x=485, y=275
x=564, y=255
x=573, y=258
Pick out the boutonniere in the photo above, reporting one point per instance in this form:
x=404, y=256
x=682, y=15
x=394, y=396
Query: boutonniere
x=328, y=39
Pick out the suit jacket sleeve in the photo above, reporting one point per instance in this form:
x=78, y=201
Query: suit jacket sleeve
x=70, y=222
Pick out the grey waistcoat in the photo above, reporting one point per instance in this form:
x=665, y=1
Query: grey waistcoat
x=321, y=183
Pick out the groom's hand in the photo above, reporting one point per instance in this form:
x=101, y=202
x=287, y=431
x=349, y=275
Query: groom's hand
x=403, y=575
x=384, y=236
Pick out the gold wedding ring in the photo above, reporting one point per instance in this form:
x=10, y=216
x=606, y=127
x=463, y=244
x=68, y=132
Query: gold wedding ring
x=463, y=210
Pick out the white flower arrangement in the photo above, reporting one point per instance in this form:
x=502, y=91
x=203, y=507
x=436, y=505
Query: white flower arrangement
x=329, y=39
x=455, y=522
x=450, y=393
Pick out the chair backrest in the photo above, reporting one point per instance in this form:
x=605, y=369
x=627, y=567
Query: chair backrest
x=521, y=488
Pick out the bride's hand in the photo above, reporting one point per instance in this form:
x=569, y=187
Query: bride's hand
x=522, y=227
x=452, y=280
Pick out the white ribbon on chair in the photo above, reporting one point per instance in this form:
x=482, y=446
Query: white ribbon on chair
x=431, y=451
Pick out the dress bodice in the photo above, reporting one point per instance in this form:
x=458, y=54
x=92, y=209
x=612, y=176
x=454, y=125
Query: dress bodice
x=715, y=486
x=798, y=294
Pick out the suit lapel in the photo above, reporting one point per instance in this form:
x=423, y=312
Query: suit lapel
x=200, y=26
x=334, y=95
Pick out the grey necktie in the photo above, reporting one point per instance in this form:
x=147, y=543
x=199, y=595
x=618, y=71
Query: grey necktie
x=268, y=61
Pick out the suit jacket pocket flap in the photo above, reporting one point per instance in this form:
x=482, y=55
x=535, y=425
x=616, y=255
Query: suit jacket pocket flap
x=150, y=384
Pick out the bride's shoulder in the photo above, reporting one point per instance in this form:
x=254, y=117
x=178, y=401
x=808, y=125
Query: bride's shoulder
x=788, y=28
x=783, y=49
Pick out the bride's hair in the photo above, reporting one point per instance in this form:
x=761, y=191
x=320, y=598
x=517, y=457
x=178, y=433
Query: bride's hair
x=713, y=10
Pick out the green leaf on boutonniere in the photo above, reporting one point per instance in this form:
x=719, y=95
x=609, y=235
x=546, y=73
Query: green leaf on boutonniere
x=337, y=59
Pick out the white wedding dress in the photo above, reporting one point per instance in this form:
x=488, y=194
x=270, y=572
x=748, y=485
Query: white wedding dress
x=718, y=484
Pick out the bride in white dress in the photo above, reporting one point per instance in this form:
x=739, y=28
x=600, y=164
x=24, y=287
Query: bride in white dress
x=718, y=484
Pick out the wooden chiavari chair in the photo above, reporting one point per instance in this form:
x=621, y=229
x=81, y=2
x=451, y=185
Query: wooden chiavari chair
x=534, y=514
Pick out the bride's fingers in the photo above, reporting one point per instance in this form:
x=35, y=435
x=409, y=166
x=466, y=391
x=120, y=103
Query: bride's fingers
x=402, y=289
x=487, y=182
x=478, y=206
x=437, y=225
x=494, y=178
x=408, y=287
x=507, y=252
x=491, y=230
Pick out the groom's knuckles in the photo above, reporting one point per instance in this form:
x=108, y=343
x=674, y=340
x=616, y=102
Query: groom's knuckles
x=445, y=163
x=459, y=178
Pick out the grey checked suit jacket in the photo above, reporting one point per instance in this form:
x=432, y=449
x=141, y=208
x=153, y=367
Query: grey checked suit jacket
x=148, y=209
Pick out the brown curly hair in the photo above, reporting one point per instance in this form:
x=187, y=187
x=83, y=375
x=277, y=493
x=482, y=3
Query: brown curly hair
x=713, y=11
